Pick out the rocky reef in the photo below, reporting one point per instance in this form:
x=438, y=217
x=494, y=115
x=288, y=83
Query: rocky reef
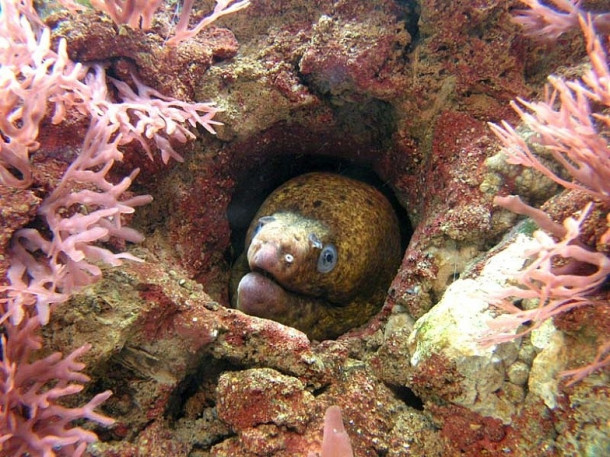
x=399, y=92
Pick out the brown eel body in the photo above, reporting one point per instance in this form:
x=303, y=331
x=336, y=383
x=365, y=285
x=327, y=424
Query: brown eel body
x=320, y=255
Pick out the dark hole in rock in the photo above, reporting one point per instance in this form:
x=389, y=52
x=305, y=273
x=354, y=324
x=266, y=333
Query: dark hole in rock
x=255, y=185
x=453, y=277
x=124, y=384
x=408, y=397
x=410, y=16
x=320, y=391
x=193, y=401
x=197, y=391
x=258, y=183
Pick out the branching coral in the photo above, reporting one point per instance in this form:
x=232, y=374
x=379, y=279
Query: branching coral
x=556, y=290
x=222, y=8
x=140, y=13
x=76, y=219
x=32, y=76
x=31, y=421
x=134, y=13
x=86, y=207
x=571, y=124
x=545, y=23
x=567, y=123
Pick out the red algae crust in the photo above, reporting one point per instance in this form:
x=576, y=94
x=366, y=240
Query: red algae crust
x=403, y=88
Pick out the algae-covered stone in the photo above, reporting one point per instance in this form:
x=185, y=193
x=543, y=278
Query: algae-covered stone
x=262, y=396
x=455, y=327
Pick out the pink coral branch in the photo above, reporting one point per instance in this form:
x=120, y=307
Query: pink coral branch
x=554, y=290
x=31, y=421
x=157, y=117
x=335, y=440
x=32, y=76
x=140, y=13
x=597, y=79
x=85, y=210
x=569, y=123
x=542, y=219
x=570, y=135
x=222, y=8
x=134, y=13
x=77, y=220
x=546, y=23
x=602, y=359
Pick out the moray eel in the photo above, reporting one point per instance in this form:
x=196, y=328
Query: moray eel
x=320, y=254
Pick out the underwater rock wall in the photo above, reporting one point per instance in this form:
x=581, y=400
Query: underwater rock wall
x=402, y=88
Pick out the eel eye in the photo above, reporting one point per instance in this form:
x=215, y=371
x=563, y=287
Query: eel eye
x=328, y=259
x=259, y=225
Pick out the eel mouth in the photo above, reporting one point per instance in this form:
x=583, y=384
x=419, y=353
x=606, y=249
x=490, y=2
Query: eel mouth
x=267, y=275
x=258, y=294
x=263, y=272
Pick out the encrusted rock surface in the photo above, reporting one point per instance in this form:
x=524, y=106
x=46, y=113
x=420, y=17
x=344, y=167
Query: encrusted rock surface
x=402, y=88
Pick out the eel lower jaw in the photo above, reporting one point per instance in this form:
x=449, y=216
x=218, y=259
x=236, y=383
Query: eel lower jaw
x=259, y=295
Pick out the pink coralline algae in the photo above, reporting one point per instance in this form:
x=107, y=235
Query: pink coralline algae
x=402, y=89
x=564, y=273
x=140, y=14
x=47, y=265
x=33, y=421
